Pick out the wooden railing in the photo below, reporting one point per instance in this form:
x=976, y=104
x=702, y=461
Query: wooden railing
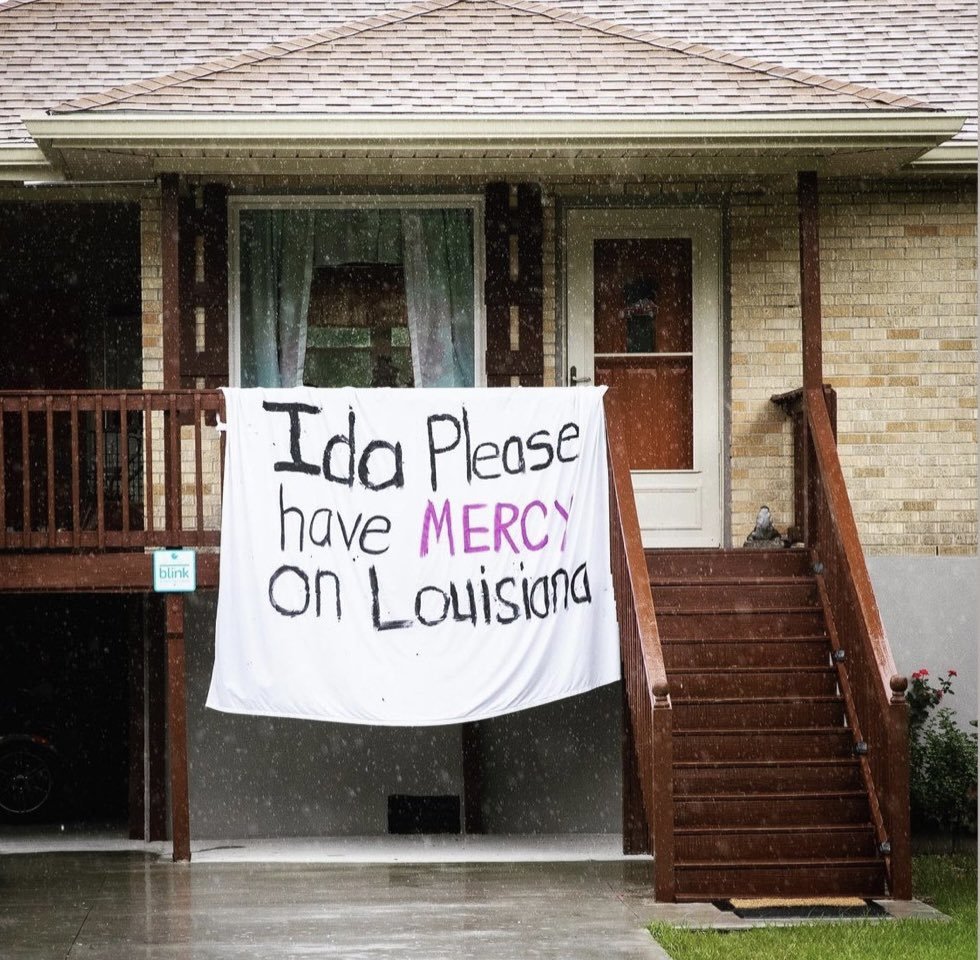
x=873, y=691
x=101, y=470
x=650, y=717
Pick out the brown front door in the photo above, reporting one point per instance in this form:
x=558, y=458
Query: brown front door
x=643, y=345
x=643, y=295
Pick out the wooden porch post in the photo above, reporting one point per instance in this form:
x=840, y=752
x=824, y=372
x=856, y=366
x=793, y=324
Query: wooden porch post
x=177, y=726
x=137, y=724
x=176, y=681
x=810, y=280
x=812, y=333
x=156, y=732
x=170, y=296
x=472, y=778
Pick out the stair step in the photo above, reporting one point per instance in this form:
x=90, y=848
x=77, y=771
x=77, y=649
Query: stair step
x=740, y=624
x=804, y=743
x=740, y=596
x=769, y=799
x=764, y=713
x=719, y=880
x=795, y=680
x=729, y=580
x=690, y=653
x=753, y=776
x=722, y=563
x=764, y=809
x=766, y=843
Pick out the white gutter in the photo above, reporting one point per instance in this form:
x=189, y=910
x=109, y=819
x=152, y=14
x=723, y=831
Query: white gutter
x=21, y=155
x=951, y=155
x=148, y=131
x=26, y=162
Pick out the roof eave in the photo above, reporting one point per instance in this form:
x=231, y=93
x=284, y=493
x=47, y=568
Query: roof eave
x=146, y=131
x=26, y=162
x=949, y=156
x=89, y=145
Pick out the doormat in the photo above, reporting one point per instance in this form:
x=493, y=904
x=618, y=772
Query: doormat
x=824, y=908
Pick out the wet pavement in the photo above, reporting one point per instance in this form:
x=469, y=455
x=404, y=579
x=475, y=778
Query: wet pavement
x=129, y=905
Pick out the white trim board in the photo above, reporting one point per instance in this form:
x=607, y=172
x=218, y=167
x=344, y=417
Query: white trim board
x=679, y=508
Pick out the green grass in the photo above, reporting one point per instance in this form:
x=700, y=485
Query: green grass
x=948, y=883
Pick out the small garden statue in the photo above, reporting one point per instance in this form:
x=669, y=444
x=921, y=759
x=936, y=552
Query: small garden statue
x=765, y=536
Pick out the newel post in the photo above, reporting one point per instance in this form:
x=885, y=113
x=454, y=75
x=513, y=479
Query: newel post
x=662, y=828
x=899, y=817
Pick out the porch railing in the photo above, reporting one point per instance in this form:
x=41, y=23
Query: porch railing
x=873, y=691
x=650, y=715
x=100, y=470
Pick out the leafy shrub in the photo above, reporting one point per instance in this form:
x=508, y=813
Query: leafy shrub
x=943, y=759
x=923, y=697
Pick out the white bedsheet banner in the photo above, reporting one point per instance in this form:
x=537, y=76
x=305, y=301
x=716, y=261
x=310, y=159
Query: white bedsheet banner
x=413, y=557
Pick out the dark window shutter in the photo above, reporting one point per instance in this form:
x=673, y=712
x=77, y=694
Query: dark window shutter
x=514, y=265
x=207, y=220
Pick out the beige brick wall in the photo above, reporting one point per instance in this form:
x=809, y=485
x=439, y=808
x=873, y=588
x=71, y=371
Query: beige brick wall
x=899, y=295
x=898, y=269
x=152, y=311
x=765, y=354
x=151, y=287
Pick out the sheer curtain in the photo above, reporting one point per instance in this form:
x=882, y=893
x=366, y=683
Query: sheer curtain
x=438, y=260
x=280, y=249
x=277, y=269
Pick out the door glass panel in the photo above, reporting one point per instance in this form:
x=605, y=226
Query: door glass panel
x=643, y=344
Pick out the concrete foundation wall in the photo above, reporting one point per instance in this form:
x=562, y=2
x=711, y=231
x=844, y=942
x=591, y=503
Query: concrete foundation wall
x=929, y=608
x=555, y=769
x=267, y=777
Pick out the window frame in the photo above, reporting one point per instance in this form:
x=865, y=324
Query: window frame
x=472, y=202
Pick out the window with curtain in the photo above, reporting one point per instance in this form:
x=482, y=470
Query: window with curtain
x=357, y=297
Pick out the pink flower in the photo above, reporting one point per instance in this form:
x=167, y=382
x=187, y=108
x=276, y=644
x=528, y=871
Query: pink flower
x=952, y=673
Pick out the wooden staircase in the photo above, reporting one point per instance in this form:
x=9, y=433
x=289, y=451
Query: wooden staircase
x=769, y=795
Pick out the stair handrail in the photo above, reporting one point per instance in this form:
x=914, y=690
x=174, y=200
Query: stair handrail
x=644, y=672
x=877, y=689
x=842, y=515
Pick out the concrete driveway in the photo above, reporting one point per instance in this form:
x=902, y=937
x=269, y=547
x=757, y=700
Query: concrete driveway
x=128, y=905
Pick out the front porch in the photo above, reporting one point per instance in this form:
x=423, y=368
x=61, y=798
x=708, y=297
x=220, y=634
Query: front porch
x=94, y=480
x=663, y=781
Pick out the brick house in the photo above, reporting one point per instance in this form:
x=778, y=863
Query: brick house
x=716, y=210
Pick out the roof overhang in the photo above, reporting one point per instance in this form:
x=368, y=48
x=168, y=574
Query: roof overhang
x=26, y=162
x=950, y=156
x=98, y=144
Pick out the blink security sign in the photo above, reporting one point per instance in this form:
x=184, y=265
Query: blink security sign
x=413, y=557
x=174, y=571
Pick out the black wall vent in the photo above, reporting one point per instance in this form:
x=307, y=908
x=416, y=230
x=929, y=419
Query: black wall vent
x=423, y=814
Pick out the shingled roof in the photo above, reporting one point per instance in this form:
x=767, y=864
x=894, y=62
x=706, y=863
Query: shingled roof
x=491, y=57
x=452, y=56
x=923, y=48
